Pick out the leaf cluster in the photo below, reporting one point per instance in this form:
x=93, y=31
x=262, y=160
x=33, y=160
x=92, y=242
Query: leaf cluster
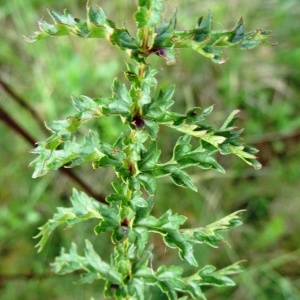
x=153, y=35
x=128, y=272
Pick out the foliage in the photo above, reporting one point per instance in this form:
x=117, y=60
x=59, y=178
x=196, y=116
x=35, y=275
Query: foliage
x=134, y=156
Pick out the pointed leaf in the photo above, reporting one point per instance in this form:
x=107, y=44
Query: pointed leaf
x=84, y=208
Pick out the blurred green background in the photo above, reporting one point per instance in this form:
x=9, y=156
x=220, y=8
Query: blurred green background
x=264, y=83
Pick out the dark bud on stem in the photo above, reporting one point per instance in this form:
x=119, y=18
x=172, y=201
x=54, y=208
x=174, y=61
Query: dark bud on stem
x=114, y=286
x=138, y=121
x=125, y=222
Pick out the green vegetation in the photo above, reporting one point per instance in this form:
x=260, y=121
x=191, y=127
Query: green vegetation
x=263, y=83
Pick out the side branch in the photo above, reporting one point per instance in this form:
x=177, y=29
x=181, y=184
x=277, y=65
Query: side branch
x=11, y=123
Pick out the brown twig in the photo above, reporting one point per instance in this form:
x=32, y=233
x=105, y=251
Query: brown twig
x=6, y=277
x=11, y=123
x=22, y=103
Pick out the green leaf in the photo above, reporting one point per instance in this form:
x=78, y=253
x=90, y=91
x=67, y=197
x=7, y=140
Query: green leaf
x=84, y=208
x=139, y=201
x=210, y=276
x=152, y=128
x=137, y=288
x=93, y=266
x=163, y=32
x=238, y=32
x=110, y=218
x=182, y=179
x=121, y=100
x=163, y=45
x=171, y=119
x=97, y=22
x=211, y=234
x=148, y=181
x=205, y=24
x=196, y=115
x=213, y=139
x=230, y=121
x=139, y=267
x=165, y=273
x=167, y=225
x=167, y=221
x=201, y=157
x=246, y=155
x=157, y=108
x=148, y=14
x=143, y=212
x=58, y=18
x=90, y=108
x=142, y=236
x=74, y=154
x=150, y=157
x=178, y=176
x=182, y=147
x=174, y=239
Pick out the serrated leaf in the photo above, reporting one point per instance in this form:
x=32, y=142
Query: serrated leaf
x=205, y=40
x=174, y=239
x=210, y=276
x=196, y=115
x=143, y=212
x=165, y=273
x=152, y=128
x=213, y=139
x=139, y=201
x=189, y=129
x=211, y=234
x=137, y=288
x=65, y=18
x=148, y=13
x=97, y=16
x=247, y=156
x=238, y=32
x=90, y=263
x=163, y=31
x=116, y=197
x=167, y=221
x=156, y=109
x=182, y=179
x=95, y=26
x=142, y=236
x=150, y=157
x=182, y=147
x=229, y=121
x=88, y=107
x=148, y=181
x=110, y=218
x=205, y=23
x=84, y=208
x=201, y=159
x=74, y=154
x=178, y=176
x=122, y=101
x=167, y=225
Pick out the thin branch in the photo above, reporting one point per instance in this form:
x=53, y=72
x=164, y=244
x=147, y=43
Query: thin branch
x=7, y=119
x=9, y=277
x=22, y=103
x=29, y=276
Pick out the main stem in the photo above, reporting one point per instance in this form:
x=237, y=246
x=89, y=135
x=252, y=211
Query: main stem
x=132, y=166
